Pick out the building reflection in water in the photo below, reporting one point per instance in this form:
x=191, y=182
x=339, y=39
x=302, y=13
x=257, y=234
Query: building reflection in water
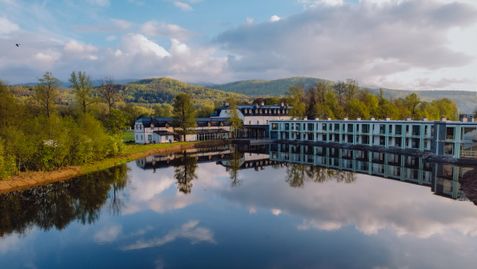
x=320, y=164
x=442, y=178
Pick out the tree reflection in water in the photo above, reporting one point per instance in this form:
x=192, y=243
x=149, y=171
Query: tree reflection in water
x=184, y=172
x=235, y=163
x=298, y=174
x=56, y=205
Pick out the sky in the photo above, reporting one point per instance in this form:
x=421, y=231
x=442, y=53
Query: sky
x=404, y=44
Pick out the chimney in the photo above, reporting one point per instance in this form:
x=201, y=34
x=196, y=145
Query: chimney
x=282, y=104
x=408, y=119
x=443, y=119
x=373, y=118
x=424, y=119
x=317, y=118
x=345, y=119
x=262, y=103
x=358, y=119
x=388, y=119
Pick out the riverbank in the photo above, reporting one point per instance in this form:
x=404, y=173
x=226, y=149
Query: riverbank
x=25, y=180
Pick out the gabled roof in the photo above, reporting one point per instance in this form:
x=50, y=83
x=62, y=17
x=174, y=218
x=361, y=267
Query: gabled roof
x=169, y=122
x=259, y=110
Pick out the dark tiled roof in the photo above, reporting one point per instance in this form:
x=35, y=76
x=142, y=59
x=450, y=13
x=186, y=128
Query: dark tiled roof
x=166, y=122
x=259, y=110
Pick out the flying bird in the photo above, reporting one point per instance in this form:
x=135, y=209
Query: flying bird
x=17, y=44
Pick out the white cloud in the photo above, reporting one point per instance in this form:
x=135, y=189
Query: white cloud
x=367, y=42
x=275, y=18
x=189, y=230
x=316, y=3
x=107, y=234
x=7, y=27
x=9, y=243
x=154, y=28
x=121, y=24
x=183, y=5
x=139, y=44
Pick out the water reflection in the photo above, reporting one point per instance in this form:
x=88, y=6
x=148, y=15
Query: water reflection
x=278, y=206
x=56, y=205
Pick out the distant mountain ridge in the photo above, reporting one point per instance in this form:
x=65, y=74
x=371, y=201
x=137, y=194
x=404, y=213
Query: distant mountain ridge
x=267, y=87
x=163, y=90
x=465, y=100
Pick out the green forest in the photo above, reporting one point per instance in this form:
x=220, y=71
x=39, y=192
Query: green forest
x=44, y=126
x=347, y=100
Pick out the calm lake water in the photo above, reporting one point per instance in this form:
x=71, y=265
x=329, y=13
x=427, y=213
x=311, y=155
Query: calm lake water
x=265, y=208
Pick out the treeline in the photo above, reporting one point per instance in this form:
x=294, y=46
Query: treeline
x=347, y=100
x=39, y=130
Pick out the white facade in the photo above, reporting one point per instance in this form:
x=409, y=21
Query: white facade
x=265, y=115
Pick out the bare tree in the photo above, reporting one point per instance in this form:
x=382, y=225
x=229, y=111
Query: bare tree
x=46, y=92
x=110, y=93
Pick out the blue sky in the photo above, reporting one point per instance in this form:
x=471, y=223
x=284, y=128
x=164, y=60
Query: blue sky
x=409, y=44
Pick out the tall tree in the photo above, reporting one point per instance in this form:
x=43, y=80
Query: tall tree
x=296, y=98
x=46, y=93
x=10, y=108
x=235, y=121
x=110, y=94
x=184, y=114
x=412, y=101
x=82, y=89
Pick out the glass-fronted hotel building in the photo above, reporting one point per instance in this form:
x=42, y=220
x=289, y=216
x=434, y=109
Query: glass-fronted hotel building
x=456, y=139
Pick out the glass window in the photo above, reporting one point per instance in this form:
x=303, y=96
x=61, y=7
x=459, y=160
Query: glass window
x=398, y=129
x=311, y=126
x=469, y=133
x=449, y=148
x=450, y=133
x=415, y=130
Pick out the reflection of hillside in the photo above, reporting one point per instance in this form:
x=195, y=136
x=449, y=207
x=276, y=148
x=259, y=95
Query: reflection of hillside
x=58, y=204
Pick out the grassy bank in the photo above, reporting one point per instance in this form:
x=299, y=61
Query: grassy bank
x=131, y=152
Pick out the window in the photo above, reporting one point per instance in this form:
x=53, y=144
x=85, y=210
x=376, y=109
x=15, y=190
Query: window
x=398, y=129
x=274, y=126
x=450, y=133
x=365, y=128
x=449, y=149
x=287, y=126
x=469, y=133
x=415, y=130
x=310, y=126
x=350, y=128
